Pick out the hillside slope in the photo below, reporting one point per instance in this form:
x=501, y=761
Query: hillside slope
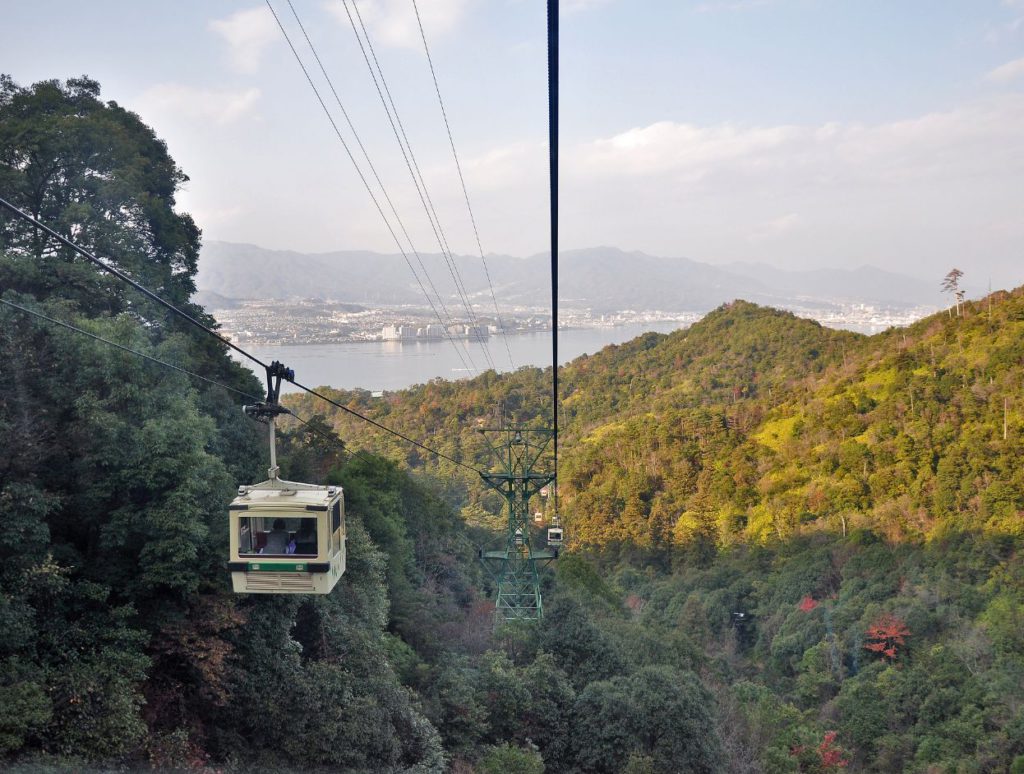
x=754, y=423
x=826, y=527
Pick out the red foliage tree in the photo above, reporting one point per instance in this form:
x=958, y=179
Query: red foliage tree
x=826, y=757
x=808, y=603
x=886, y=635
x=831, y=755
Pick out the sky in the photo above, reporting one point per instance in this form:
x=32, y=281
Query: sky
x=800, y=133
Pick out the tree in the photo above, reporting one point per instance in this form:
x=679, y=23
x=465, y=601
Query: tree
x=97, y=174
x=832, y=756
x=508, y=759
x=658, y=712
x=583, y=650
x=951, y=284
x=886, y=635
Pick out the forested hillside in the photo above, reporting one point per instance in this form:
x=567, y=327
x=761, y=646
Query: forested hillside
x=789, y=548
x=828, y=525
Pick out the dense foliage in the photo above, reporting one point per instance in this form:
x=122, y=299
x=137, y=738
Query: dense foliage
x=791, y=549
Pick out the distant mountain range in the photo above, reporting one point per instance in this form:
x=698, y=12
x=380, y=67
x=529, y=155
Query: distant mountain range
x=604, y=279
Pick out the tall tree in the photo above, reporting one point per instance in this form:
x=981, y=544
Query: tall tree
x=97, y=174
x=951, y=284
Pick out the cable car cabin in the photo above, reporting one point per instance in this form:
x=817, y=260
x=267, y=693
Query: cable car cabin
x=554, y=536
x=287, y=538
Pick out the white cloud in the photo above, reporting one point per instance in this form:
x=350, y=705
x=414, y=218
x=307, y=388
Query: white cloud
x=393, y=22
x=776, y=228
x=1007, y=72
x=981, y=137
x=507, y=166
x=220, y=106
x=914, y=193
x=247, y=33
x=998, y=32
x=216, y=216
x=689, y=151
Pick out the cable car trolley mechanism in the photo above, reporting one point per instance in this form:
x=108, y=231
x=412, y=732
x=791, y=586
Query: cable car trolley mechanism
x=286, y=537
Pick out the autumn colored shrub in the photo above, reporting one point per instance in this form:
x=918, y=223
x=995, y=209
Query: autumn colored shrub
x=886, y=635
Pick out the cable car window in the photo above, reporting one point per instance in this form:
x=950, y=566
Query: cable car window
x=336, y=517
x=277, y=536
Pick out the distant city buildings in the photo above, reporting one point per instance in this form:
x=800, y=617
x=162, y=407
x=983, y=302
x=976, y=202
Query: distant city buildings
x=434, y=332
x=314, y=321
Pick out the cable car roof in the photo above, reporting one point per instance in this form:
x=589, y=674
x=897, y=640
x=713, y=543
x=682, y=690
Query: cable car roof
x=284, y=495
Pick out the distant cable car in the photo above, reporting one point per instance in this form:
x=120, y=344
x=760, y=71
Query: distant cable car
x=538, y=517
x=285, y=537
x=555, y=532
x=519, y=541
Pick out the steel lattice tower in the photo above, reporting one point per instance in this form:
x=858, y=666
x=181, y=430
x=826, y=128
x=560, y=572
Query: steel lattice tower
x=516, y=568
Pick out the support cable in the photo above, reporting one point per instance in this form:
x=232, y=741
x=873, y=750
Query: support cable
x=150, y=294
x=369, y=190
x=553, y=162
x=157, y=361
x=125, y=278
x=405, y=438
x=414, y=169
x=462, y=180
x=129, y=350
x=333, y=437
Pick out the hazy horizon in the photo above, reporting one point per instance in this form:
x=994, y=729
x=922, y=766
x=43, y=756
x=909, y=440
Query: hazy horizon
x=972, y=283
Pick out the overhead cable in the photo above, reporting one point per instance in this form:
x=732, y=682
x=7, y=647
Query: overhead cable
x=333, y=437
x=413, y=167
x=553, y=166
x=150, y=294
x=129, y=350
x=369, y=190
x=405, y=438
x=125, y=278
x=462, y=181
x=157, y=361
x=387, y=197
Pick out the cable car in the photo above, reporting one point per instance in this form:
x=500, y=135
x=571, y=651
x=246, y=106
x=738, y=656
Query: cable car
x=555, y=532
x=286, y=537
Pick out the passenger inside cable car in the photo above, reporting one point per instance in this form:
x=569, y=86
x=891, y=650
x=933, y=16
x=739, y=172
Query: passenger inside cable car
x=286, y=536
x=278, y=539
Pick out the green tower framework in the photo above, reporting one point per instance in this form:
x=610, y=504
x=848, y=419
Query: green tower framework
x=516, y=568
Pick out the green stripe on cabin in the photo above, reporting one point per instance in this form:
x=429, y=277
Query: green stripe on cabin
x=268, y=567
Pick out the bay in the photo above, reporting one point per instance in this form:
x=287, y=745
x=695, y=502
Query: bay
x=392, y=365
